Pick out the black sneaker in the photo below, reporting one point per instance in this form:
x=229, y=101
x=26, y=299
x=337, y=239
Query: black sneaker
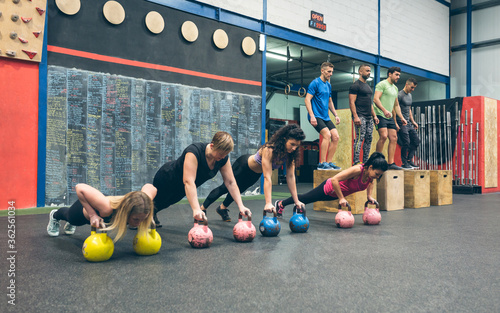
x=279, y=208
x=407, y=166
x=224, y=214
x=393, y=166
x=157, y=221
x=412, y=164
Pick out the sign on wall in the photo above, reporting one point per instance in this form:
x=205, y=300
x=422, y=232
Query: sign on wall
x=317, y=21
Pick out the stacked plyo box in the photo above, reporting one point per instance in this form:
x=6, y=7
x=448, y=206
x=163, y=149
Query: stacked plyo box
x=441, y=187
x=417, y=193
x=390, y=190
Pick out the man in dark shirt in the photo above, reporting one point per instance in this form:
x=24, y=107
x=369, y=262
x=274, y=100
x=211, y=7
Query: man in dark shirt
x=363, y=115
x=407, y=134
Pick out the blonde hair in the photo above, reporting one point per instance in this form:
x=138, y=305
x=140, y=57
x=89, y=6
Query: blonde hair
x=223, y=142
x=134, y=202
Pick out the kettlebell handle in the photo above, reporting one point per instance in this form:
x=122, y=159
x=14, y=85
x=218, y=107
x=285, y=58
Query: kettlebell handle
x=348, y=207
x=303, y=210
x=95, y=230
x=368, y=202
x=204, y=222
x=240, y=217
x=275, y=214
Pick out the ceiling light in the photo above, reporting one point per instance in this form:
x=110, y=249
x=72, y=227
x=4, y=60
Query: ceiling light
x=278, y=56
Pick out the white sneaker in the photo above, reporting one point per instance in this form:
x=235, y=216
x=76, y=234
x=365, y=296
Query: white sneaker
x=53, y=226
x=69, y=229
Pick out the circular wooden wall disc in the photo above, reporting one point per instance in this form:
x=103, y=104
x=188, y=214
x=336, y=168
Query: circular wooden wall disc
x=69, y=7
x=113, y=12
x=248, y=46
x=155, y=22
x=189, y=31
x=220, y=39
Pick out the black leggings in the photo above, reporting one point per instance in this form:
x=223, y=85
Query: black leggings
x=244, y=176
x=317, y=194
x=73, y=215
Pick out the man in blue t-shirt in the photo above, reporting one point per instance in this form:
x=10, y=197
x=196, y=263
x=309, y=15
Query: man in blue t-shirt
x=318, y=102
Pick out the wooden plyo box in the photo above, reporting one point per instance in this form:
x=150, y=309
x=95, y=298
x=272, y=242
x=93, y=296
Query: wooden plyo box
x=417, y=192
x=356, y=200
x=441, y=187
x=274, y=177
x=390, y=190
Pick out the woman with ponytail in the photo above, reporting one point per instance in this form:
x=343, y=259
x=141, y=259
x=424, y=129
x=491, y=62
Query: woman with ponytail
x=356, y=178
x=280, y=150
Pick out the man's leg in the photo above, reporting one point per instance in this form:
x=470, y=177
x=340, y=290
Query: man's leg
x=358, y=141
x=414, y=143
x=404, y=141
x=325, y=133
x=393, y=142
x=382, y=133
x=334, y=135
x=367, y=145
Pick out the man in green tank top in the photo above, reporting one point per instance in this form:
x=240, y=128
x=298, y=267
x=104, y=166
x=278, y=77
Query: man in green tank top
x=385, y=102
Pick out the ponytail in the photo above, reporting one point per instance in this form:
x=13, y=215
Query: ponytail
x=377, y=161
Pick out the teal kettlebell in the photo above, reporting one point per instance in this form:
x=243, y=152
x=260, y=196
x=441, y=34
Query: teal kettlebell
x=270, y=226
x=299, y=223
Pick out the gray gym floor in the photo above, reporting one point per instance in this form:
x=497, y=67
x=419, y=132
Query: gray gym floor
x=436, y=259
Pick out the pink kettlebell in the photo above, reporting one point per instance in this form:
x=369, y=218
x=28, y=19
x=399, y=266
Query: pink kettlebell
x=244, y=231
x=344, y=219
x=200, y=236
x=372, y=216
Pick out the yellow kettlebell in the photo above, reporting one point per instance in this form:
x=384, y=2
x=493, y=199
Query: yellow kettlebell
x=98, y=247
x=147, y=243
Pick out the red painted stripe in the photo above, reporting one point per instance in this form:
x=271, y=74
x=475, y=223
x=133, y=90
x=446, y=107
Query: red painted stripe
x=104, y=58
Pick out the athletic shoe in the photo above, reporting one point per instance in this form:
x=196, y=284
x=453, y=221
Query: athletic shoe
x=412, y=164
x=53, y=226
x=69, y=229
x=224, y=214
x=333, y=166
x=393, y=166
x=323, y=166
x=407, y=166
x=279, y=208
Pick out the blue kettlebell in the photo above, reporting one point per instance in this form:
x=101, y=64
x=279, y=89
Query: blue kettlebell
x=299, y=223
x=270, y=226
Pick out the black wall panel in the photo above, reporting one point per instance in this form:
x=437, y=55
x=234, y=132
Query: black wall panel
x=89, y=31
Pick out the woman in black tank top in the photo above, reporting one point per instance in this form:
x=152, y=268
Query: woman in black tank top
x=198, y=163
